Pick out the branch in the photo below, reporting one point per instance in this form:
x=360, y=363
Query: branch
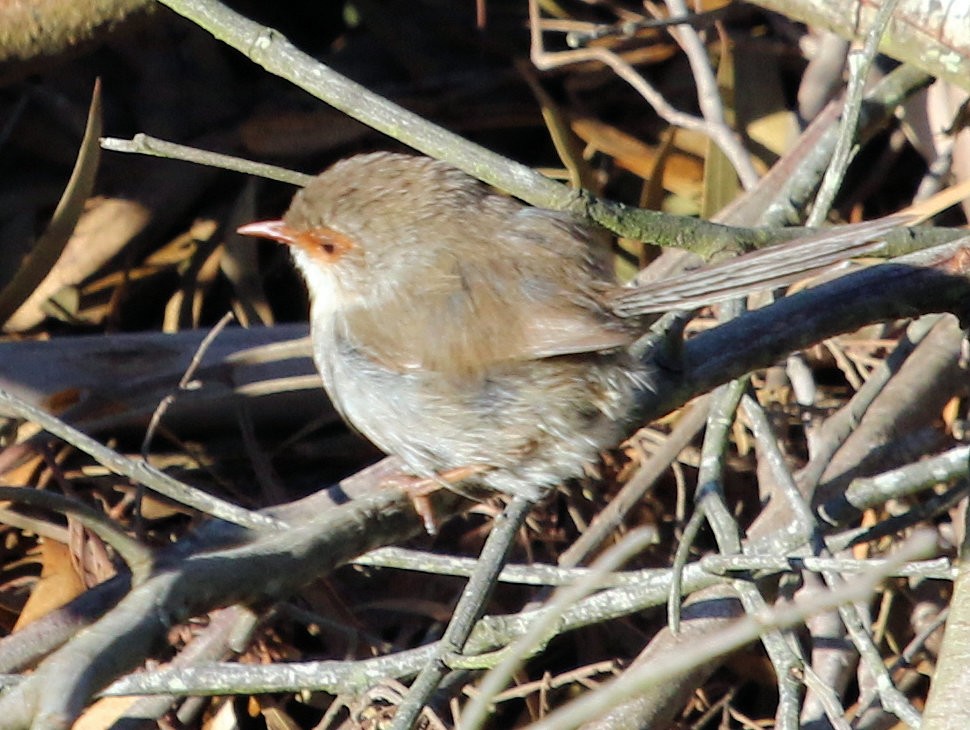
x=886, y=291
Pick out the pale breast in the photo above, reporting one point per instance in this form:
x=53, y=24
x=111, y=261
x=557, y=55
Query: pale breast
x=531, y=425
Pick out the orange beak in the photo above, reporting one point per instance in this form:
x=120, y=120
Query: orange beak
x=273, y=230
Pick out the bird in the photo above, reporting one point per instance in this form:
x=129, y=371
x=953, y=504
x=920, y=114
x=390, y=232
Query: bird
x=481, y=339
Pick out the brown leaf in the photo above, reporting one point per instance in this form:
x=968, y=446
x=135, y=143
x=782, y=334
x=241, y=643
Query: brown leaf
x=58, y=584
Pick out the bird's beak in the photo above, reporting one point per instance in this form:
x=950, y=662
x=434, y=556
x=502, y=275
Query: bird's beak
x=274, y=230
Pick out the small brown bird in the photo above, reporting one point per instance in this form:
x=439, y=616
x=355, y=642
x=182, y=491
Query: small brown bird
x=467, y=332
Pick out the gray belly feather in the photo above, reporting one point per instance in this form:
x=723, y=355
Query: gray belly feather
x=531, y=424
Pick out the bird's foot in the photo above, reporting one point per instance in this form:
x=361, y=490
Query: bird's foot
x=420, y=489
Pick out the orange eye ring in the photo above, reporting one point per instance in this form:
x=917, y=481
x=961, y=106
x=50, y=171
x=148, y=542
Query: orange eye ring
x=324, y=243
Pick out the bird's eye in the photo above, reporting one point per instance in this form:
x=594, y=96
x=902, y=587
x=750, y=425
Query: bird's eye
x=326, y=244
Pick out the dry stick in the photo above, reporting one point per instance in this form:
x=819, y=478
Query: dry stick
x=337, y=676
x=928, y=509
x=703, y=237
x=25, y=648
x=545, y=628
x=946, y=706
x=201, y=574
x=717, y=130
x=936, y=568
x=763, y=345
x=790, y=185
x=842, y=155
x=824, y=695
x=138, y=471
x=356, y=676
x=145, y=145
x=169, y=399
x=742, y=632
x=866, y=492
x=38, y=526
x=183, y=383
x=903, y=289
x=710, y=501
x=584, y=675
x=837, y=428
x=907, y=657
x=604, y=523
x=709, y=96
x=756, y=345
x=580, y=33
x=903, y=414
x=804, y=523
x=222, y=632
x=137, y=556
x=535, y=574
x=892, y=699
x=271, y=50
x=470, y=607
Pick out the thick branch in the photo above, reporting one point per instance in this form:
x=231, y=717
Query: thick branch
x=762, y=337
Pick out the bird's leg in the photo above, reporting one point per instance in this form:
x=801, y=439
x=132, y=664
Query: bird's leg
x=470, y=607
x=419, y=489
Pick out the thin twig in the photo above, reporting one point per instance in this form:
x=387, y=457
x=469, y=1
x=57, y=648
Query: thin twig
x=536, y=574
x=544, y=629
x=892, y=698
x=139, y=471
x=143, y=144
x=709, y=97
x=183, y=383
x=137, y=556
x=785, y=655
x=470, y=607
x=165, y=403
x=866, y=492
x=859, y=65
x=712, y=127
x=271, y=50
x=937, y=568
x=598, y=702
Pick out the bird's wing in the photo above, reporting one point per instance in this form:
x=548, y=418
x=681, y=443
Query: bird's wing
x=483, y=313
x=768, y=268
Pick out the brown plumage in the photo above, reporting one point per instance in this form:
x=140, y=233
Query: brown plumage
x=456, y=328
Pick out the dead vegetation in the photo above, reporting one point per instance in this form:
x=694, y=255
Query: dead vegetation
x=793, y=504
